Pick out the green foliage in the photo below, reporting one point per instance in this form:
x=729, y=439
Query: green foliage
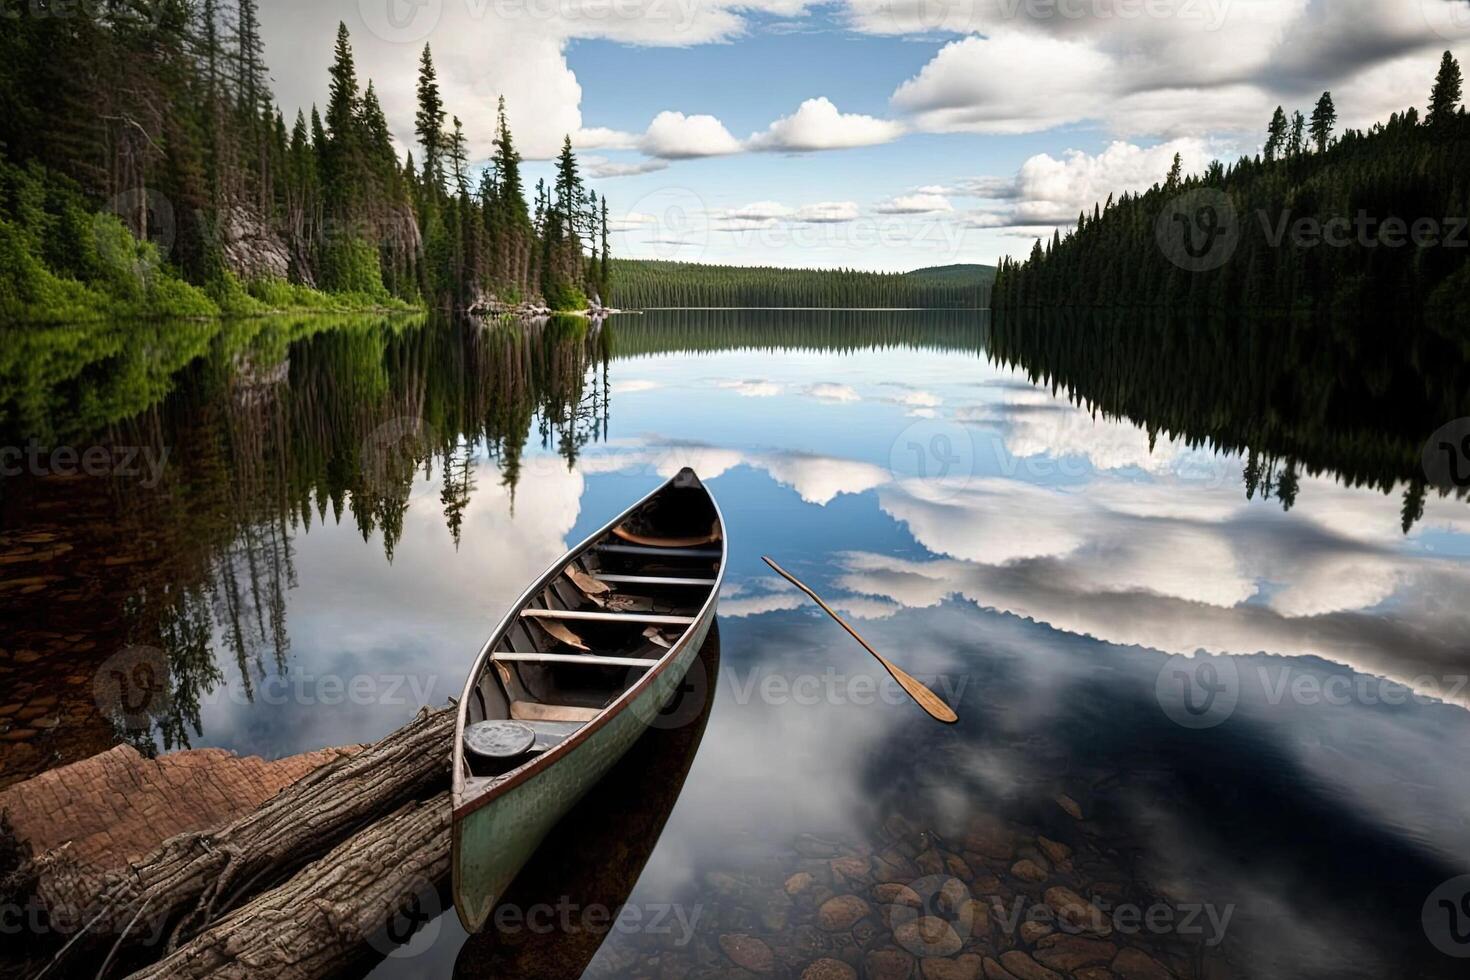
x=180, y=114
x=351, y=266
x=686, y=284
x=566, y=296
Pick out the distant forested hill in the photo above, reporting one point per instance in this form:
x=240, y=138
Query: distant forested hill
x=1370, y=220
x=648, y=284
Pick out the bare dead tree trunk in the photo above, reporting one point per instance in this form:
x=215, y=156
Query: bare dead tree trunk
x=335, y=911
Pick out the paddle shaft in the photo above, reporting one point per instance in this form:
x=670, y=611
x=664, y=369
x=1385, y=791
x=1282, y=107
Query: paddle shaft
x=924, y=697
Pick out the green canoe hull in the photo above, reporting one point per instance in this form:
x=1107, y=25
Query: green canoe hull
x=492, y=843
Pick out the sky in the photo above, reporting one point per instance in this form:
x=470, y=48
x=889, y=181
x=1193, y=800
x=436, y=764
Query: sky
x=870, y=134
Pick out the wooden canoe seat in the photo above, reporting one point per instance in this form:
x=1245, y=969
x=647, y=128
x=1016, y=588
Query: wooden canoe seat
x=606, y=617
x=536, y=711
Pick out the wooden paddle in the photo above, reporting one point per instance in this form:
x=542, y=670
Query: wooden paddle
x=925, y=698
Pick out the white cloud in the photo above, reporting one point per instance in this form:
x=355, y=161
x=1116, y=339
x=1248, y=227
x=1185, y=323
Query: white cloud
x=675, y=136
x=602, y=138
x=1008, y=84
x=1188, y=69
x=754, y=388
x=1048, y=191
x=634, y=385
x=758, y=214
x=602, y=167
x=818, y=125
x=830, y=392
x=826, y=212
x=925, y=201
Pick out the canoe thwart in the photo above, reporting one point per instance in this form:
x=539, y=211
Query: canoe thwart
x=537, y=711
x=606, y=617
x=656, y=580
x=639, y=549
x=572, y=658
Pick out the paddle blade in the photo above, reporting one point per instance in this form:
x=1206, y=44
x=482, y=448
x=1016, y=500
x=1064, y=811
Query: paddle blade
x=922, y=696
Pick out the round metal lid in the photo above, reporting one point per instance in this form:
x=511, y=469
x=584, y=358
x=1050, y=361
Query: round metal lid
x=498, y=739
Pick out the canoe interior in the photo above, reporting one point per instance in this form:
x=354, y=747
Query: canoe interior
x=649, y=598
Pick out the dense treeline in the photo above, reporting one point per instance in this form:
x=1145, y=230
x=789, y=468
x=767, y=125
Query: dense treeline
x=162, y=115
x=1372, y=219
x=662, y=332
x=688, y=284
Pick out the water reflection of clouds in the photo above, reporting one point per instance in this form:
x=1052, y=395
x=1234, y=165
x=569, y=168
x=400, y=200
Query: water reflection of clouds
x=1178, y=585
x=348, y=616
x=816, y=479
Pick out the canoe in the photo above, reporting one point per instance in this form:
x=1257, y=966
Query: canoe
x=584, y=661
x=602, y=847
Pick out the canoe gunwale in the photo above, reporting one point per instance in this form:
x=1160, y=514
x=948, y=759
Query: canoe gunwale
x=498, y=787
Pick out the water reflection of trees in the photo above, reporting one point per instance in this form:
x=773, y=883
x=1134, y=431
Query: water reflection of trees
x=270, y=427
x=1352, y=399
x=831, y=331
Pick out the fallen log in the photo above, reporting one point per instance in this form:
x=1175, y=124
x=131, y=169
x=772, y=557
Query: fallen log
x=361, y=899
x=194, y=878
x=114, y=808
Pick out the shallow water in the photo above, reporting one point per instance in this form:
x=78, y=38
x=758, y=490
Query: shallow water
x=345, y=511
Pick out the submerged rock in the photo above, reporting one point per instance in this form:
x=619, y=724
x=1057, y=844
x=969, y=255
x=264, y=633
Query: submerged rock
x=829, y=969
x=841, y=913
x=928, y=935
x=748, y=952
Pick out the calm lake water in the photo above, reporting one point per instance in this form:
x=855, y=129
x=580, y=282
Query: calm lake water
x=1218, y=692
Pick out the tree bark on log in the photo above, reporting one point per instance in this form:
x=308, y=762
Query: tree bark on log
x=193, y=879
x=364, y=896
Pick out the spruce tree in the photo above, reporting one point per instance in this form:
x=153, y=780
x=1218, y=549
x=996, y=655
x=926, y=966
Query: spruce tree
x=429, y=121
x=1276, y=134
x=1444, y=101
x=1324, y=117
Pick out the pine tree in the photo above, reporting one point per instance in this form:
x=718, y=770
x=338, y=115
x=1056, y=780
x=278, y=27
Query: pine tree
x=1297, y=141
x=1175, y=171
x=459, y=160
x=1276, y=134
x=429, y=121
x=341, y=156
x=1444, y=101
x=1324, y=117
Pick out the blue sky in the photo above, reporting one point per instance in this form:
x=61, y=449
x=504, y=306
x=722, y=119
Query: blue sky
x=879, y=134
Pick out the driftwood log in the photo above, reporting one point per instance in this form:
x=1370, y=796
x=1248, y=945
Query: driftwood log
x=193, y=879
x=362, y=899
